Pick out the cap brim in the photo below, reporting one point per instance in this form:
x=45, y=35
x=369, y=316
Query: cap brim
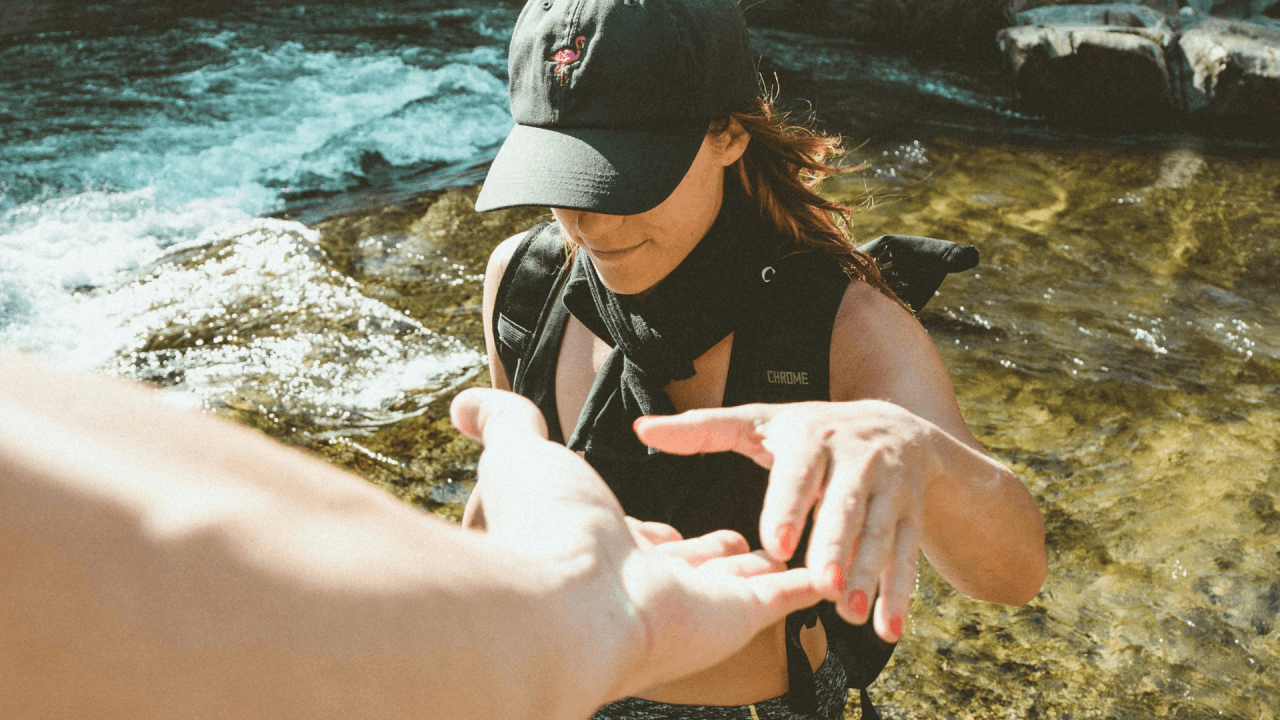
x=613, y=171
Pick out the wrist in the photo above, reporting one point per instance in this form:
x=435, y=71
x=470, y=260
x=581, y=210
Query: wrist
x=603, y=635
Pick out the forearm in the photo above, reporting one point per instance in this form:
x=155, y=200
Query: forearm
x=167, y=565
x=347, y=616
x=982, y=530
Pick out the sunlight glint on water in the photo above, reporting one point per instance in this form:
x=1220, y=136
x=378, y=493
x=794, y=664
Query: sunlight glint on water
x=1118, y=347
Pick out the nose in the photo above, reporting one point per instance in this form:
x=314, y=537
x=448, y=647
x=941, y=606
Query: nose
x=588, y=225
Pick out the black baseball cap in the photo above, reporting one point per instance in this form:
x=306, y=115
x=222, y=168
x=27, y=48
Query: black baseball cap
x=612, y=98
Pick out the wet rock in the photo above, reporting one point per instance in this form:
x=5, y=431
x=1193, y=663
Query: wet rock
x=1112, y=14
x=1232, y=72
x=1093, y=63
x=1129, y=64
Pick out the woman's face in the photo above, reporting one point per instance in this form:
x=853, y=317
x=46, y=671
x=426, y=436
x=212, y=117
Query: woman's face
x=632, y=253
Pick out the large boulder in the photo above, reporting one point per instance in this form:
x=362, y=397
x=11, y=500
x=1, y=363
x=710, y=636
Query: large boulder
x=1129, y=64
x=1095, y=64
x=1119, y=14
x=1252, y=10
x=1232, y=73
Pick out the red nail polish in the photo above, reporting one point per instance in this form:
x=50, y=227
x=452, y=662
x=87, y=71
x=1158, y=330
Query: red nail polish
x=895, y=626
x=833, y=577
x=858, y=603
x=786, y=540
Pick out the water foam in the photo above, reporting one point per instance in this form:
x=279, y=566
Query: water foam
x=287, y=118
x=56, y=252
x=190, y=156
x=258, y=318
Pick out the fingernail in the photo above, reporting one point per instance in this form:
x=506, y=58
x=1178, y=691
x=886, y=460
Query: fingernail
x=895, y=626
x=786, y=540
x=637, y=422
x=858, y=603
x=833, y=577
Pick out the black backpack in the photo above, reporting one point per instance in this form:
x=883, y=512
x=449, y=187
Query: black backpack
x=913, y=267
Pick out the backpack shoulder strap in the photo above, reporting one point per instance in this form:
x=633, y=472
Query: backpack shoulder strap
x=791, y=363
x=524, y=294
x=789, y=348
x=794, y=365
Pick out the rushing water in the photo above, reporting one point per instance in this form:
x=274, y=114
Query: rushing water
x=249, y=205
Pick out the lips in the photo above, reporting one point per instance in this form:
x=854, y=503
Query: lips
x=613, y=254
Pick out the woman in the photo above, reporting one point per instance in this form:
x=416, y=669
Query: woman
x=694, y=243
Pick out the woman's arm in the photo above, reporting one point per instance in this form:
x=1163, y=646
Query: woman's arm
x=890, y=469
x=493, y=273
x=159, y=563
x=473, y=513
x=981, y=527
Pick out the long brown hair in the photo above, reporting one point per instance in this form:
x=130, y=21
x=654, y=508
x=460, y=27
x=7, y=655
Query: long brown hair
x=779, y=170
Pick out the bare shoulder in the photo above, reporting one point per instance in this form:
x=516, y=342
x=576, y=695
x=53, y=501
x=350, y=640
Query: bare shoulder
x=501, y=256
x=880, y=351
x=873, y=330
x=497, y=267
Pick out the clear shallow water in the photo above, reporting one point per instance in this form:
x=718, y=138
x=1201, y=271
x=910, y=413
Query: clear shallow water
x=1118, y=345
x=1119, y=348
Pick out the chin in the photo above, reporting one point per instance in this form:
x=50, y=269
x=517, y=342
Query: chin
x=626, y=288
x=621, y=283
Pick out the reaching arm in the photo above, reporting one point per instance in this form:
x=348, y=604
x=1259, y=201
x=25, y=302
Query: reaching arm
x=160, y=563
x=981, y=528
x=888, y=470
x=473, y=513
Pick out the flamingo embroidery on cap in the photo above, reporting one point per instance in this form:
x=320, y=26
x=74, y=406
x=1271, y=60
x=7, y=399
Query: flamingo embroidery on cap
x=564, y=57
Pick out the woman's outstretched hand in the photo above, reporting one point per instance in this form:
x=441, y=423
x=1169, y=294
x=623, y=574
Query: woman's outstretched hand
x=677, y=605
x=862, y=468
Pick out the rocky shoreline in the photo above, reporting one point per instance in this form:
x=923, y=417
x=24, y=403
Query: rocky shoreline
x=1122, y=64
x=1210, y=66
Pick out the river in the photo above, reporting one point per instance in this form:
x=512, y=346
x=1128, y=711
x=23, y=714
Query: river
x=264, y=207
